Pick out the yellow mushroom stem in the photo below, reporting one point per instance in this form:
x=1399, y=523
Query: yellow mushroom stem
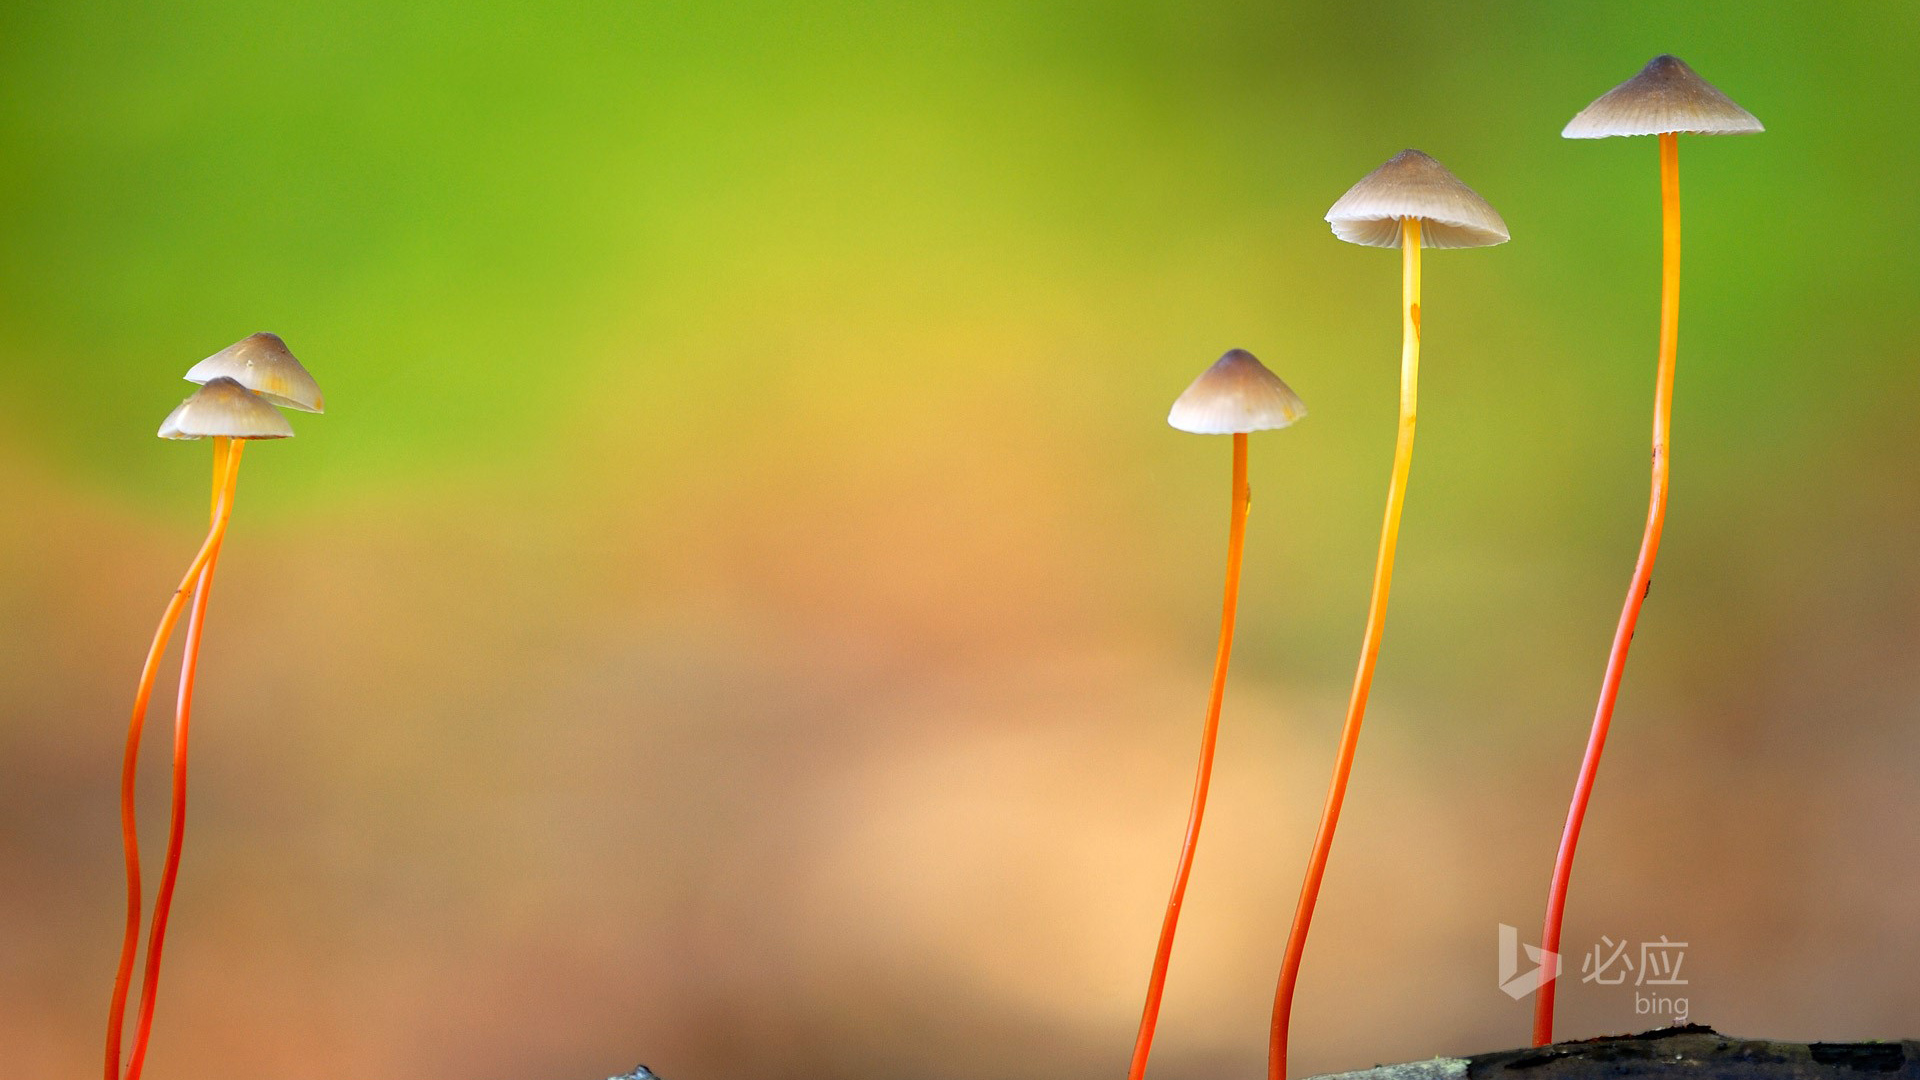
x=1369, y=649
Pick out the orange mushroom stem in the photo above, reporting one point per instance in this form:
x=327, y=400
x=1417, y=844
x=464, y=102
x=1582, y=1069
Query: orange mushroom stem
x=1666, y=98
x=1233, y=397
x=129, y=831
x=226, y=471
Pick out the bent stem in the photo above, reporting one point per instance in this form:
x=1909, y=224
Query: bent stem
x=226, y=464
x=1636, y=590
x=1236, y=542
x=1369, y=648
x=129, y=833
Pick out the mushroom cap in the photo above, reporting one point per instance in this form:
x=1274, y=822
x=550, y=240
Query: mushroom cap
x=1413, y=185
x=224, y=408
x=1666, y=96
x=263, y=364
x=1234, y=396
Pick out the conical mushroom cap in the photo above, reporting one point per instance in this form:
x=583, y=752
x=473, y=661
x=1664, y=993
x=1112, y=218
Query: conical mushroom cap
x=1666, y=96
x=263, y=364
x=1234, y=396
x=225, y=408
x=1413, y=185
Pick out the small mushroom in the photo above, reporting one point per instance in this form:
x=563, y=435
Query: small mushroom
x=1409, y=201
x=263, y=364
x=231, y=415
x=224, y=409
x=1666, y=99
x=1414, y=188
x=1235, y=396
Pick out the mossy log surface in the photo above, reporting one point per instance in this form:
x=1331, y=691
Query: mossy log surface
x=1689, y=1052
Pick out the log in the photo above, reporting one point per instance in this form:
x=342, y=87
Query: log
x=1685, y=1052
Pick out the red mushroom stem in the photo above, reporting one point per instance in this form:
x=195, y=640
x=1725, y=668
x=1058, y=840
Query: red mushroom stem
x=1642, y=576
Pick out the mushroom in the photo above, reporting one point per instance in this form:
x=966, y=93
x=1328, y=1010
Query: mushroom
x=1665, y=99
x=228, y=413
x=1410, y=200
x=263, y=364
x=1235, y=396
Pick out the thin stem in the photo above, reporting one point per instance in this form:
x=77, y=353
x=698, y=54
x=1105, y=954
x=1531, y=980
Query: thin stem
x=1369, y=648
x=1236, y=543
x=226, y=465
x=1642, y=575
x=129, y=833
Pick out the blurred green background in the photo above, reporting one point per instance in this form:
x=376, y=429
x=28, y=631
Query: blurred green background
x=743, y=610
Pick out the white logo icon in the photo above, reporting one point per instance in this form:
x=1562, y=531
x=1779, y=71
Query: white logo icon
x=1519, y=985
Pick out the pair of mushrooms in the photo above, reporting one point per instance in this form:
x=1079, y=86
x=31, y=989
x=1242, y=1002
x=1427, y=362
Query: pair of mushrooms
x=1410, y=202
x=240, y=385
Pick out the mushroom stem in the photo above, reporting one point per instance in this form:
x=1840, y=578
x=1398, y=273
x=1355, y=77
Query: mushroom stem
x=1369, y=649
x=1642, y=574
x=1236, y=543
x=226, y=465
x=129, y=833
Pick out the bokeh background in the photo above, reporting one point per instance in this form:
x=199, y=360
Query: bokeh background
x=743, y=610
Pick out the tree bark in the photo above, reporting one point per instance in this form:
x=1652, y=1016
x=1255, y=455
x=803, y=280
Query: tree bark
x=1688, y=1052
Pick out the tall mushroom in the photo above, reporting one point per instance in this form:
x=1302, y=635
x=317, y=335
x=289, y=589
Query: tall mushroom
x=230, y=415
x=1409, y=201
x=1665, y=99
x=1235, y=396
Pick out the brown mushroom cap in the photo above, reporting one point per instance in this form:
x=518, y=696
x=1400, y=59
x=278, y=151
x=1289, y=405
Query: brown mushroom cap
x=1234, y=396
x=1667, y=96
x=263, y=364
x=224, y=408
x=1413, y=185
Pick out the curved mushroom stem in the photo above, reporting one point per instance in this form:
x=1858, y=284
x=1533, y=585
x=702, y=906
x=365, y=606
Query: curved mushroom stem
x=1369, y=648
x=129, y=833
x=226, y=465
x=1236, y=543
x=1642, y=576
